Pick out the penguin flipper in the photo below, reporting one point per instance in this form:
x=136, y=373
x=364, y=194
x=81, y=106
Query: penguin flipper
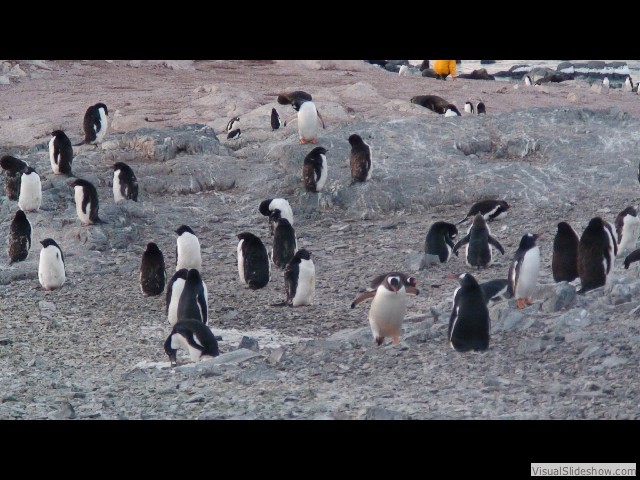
x=496, y=244
x=320, y=117
x=632, y=257
x=363, y=297
x=461, y=243
x=412, y=290
x=203, y=305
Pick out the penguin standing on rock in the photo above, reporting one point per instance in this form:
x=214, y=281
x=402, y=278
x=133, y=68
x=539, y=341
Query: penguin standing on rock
x=314, y=170
x=594, y=255
x=174, y=290
x=628, y=229
x=300, y=279
x=359, y=159
x=439, y=240
x=125, y=183
x=276, y=123
x=30, y=197
x=388, y=307
x=527, y=81
x=524, y=270
x=469, y=108
x=285, y=243
x=469, y=323
x=60, y=153
x=94, y=124
x=194, y=337
x=564, y=263
x=19, y=238
x=489, y=209
x=187, y=249
x=451, y=111
x=254, y=266
x=309, y=121
x=152, y=271
x=13, y=168
x=86, y=197
x=51, y=272
x=479, y=242
x=267, y=207
x=233, y=124
x=193, y=302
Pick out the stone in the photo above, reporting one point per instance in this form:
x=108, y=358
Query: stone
x=64, y=412
x=276, y=356
x=249, y=343
x=566, y=67
x=415, y=262
x=556, y=297
x=16, y=71
x=380, y=413
x=4, y=80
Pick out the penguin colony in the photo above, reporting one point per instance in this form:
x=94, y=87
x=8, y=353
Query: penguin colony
x=588, y=257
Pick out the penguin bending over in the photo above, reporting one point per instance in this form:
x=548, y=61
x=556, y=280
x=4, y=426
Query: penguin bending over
x=193, y=336
x=267, y=207
x=490, y=210
x=439, y=240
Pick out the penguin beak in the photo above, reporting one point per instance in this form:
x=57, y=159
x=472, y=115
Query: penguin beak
x=452, y=276
x=394, y=288
x=538, y=235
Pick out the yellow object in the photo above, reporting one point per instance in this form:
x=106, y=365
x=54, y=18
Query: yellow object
x=444, y=67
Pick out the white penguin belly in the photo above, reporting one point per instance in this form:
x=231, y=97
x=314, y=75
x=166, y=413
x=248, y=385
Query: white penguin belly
x=241, y=263
x=528, y=278
x=30, y=197
x=284, y=207
x=103, y=127
x=82, y=215
x=188, y=252
x=176, y=291
x=323, y=174
x=51, y=268
x=371, y=164
x=308, y=123
x=117, y=194
x=178, y=342
x=630, y=232
x=306, y=288
x=54, y=161
x=387, y=312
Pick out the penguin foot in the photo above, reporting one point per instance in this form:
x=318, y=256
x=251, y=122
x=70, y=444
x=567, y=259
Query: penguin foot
x=379, y=340
x=520, y=303
x=395, y=340
x=303, y=141
x=314, y=141
x=528, y=301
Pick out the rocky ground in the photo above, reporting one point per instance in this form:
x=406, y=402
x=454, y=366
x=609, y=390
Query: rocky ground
x=93, y=349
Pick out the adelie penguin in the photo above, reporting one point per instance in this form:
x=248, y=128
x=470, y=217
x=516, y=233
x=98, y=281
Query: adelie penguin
x=193, y=302
x=276, y=123
x=469, y=108
x=254, y=266
x=152, y=271
x=388, y=307
x=187, y=249
x=360, y=159
x=19, y=238
x=314, y=170
x=479, y=242
x=94, y=124
x=524, y=270
x=285, y=243
x=30, y=198
x=594, y=255
x=51, y=270
x=451, y=111
x=628, y=229
x=87, y=206
x=469, y=323
x=481, y=109
x=267, y=207
x=194, y=337
x=527, y=81
x=439, y=240
x=234, y=134
x=174, y=290
x=489, y=209
x=13, y=168
x=300, y=279
x=233, y=124
x=564, y=262
x=125, y=183
x=60, y=153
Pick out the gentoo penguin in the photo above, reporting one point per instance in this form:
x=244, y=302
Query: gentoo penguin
x=480, y=108
x=359, y=159
x=125, y=183
x=152, y=271
x=404, y=71
x=490, y=210
x=478, y=241
x=295, y=99
x=628, y=84
x=267, y=207
x=19, y=237
x=388, y=307
x=451, y=111
x=527, y=81
x=193, y=302
x=30, y=197
x=284, y=241
x=469, y=323
x=628, y=229
x=309, y=120
x=406, y=281
x=233, y=124
x=594, y=255
x=193, y=336
x=300, y=279
x=60, y=153
x=174, y=290
x=254, y=266
x=234, y=134
x=439, y=240
x=14, y=167
x=87, y=205
x=276, y=123
x=432, y=102
x=187, y=249
x=94, y=124
x=524, y=270
x=564, y=263
x=51, y=267
x=632, y=257
x=496, y=290
x=314, y=170
x=469, y=108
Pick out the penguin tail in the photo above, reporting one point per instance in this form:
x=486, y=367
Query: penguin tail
x=99, y=220
x=462, y=221
x=78, y=144
x=280, y=304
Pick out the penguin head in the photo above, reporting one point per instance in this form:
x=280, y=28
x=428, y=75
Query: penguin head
x=47, y=242
x=193, y=276
x=628, y=211
x=596, y=223
x=355, y=139
x=303, y=254
x=28, y=170
x=20, y=216
x=316, y=152
x=103, y=106
x=184, y=228
x=119, y=166
x=504, y=204
x=479, y=222
x=528, y=240
x=58, y=134
x=296, y=104
x=182, y=273
x=467, y=280
x=152, y=248
x=245, y=236
x=564, y=227
x=264, y=207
